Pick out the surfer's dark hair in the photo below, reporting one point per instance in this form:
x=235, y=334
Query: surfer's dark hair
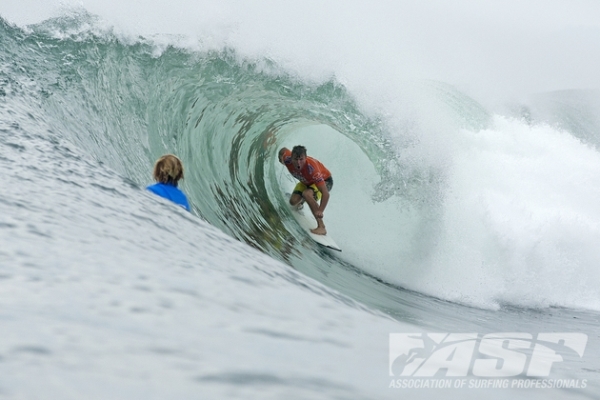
x=299, y=151
x=168, y=169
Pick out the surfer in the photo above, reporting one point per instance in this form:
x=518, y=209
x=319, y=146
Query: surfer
x=168, y=170
x=314, y=186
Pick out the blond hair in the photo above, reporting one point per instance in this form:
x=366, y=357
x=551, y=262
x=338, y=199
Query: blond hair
x=168, y=169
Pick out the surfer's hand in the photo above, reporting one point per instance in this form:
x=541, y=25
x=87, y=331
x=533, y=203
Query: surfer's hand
x=319, y=214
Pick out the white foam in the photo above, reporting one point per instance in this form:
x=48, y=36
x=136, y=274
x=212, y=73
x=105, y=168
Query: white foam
x=484, y=47
x=521, y=221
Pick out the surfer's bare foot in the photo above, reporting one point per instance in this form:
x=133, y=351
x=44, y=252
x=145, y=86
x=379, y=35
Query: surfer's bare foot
x=319, y=231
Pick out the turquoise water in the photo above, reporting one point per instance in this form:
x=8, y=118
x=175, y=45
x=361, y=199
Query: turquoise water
x=452, y=214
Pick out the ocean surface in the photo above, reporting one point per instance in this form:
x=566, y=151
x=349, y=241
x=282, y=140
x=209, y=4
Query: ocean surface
x=465, y=149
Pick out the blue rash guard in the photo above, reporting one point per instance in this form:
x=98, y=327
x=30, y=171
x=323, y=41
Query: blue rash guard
x=170, y=192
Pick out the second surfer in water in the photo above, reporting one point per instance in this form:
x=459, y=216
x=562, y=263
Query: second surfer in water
x=314, y=186
x=168, y=170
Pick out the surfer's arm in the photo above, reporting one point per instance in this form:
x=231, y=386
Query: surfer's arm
x=324, y=199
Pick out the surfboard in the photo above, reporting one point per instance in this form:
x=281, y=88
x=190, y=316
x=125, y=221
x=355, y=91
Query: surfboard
x=307, y=222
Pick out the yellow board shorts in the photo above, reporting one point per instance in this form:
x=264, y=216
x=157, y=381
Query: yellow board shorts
x=301, y=187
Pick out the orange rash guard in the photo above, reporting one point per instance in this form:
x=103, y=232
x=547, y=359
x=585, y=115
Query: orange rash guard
x=313, y=172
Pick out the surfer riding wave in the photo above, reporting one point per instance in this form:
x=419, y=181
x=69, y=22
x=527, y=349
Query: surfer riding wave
x=314, y=186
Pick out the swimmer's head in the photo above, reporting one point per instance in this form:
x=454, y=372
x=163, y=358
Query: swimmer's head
x=168, y=169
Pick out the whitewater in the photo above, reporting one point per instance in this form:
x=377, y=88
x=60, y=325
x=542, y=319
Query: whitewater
x=464, y=144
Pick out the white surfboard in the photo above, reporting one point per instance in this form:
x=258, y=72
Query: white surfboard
x=307, y=221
